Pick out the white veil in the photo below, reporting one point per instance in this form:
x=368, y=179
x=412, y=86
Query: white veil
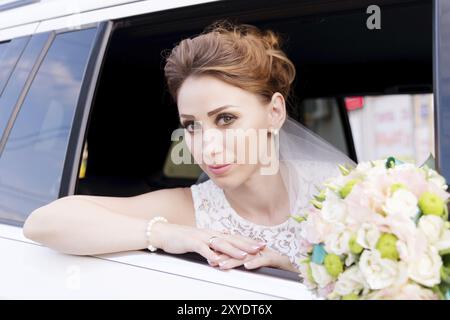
x=305, y=160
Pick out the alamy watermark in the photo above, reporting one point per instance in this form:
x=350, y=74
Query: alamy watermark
x=373, y=22
x=229, y=146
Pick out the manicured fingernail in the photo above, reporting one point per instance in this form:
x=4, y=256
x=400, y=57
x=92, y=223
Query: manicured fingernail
x=246, y=264
x=243, y=253
x=222, y=264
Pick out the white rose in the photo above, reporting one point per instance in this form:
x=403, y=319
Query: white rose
x=379, y=273
x=337, y=242
x=444, y=242
x=376, y=171
x=351, y=258
x=406, y=167
x=437, y=179
x=412, y=291
x=367, y=236
x=425, y=268
x=432, y=227
x=320, y=275
x=408, y=291
x=334, y=209
x=350, y=281
x=402, y=202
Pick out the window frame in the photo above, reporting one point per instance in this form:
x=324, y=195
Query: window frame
x=345, y=120
x=83, y=109
x=23, y=94
x=441, y=77
x=81, y=100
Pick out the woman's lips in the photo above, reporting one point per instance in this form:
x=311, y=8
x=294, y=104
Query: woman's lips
x=219, y=169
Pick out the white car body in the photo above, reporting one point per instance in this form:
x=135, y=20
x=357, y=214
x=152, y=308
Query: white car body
x=31, y=271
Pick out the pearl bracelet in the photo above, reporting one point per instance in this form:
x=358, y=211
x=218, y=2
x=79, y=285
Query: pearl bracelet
x=149, y=228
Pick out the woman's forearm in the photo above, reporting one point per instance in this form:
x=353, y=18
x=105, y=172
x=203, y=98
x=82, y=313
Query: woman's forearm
x=75, y=226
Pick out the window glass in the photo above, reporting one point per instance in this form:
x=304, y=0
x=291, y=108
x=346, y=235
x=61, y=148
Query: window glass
x=393, y=125
x=322, y=117
x=9, y=55
x=18, y=78
x=32, y=162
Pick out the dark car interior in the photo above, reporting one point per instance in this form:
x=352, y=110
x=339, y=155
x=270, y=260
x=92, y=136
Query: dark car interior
x=336, y=55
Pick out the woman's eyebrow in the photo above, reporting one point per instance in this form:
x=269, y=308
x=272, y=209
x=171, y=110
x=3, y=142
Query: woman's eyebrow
x=217, y=110
x=210, y=113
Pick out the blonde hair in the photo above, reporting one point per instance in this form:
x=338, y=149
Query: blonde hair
x=239, y=54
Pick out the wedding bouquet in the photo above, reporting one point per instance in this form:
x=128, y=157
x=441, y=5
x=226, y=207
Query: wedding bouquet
x=378, y=231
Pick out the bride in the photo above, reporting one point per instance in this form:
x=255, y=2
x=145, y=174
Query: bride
x=230, y=78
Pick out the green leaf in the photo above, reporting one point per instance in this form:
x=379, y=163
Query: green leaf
x=430, y=162
x=344, y=170
x=316, y=204
x=298, y=218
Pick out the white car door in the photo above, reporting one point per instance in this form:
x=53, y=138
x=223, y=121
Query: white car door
x=31, y=271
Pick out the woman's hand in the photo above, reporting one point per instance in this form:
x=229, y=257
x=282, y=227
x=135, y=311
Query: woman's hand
x=265, y=258
x=177, y=239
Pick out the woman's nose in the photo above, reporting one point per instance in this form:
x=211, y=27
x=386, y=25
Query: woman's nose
x=212, y=145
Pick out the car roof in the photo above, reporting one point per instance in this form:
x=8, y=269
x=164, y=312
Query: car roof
x=20, y=18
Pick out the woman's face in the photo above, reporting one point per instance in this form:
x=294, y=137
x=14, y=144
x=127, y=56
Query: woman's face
x=226, y=128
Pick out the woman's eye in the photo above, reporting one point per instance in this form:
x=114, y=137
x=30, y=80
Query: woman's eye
x=192, y=127
x=225, y=119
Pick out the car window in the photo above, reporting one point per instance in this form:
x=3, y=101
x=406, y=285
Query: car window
x=9, y=55
x=181, y=170
x=32, y=161
x=322, y=116
x=18, y=78
x=399, y=125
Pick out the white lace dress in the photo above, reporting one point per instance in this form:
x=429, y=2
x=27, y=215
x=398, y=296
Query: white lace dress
x=213, y=211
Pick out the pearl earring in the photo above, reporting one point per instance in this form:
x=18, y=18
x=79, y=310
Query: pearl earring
x=273, y=131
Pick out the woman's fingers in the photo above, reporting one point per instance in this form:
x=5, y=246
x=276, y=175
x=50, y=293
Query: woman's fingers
x=244, y=244
x=240, y=242
x=223, y=245
x=251, y=262
x=222, y=257
x=257, y=262
x=204, y=250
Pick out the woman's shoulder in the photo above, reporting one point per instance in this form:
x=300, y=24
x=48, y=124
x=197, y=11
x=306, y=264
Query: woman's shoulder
x=204, y=186
x=206, y=190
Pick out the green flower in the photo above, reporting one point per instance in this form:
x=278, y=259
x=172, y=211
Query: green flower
x=351, y=296
x=333, y=265
x=397, y=186
x=431, y=203
x=387, y=246
x=354, y=246
x=347, y=188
